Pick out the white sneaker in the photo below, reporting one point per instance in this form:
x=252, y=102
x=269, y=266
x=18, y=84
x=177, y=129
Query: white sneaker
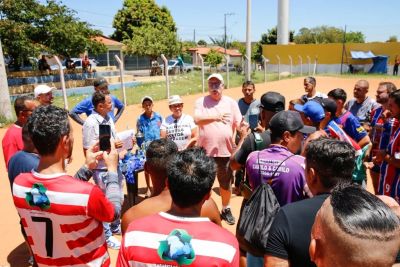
x=113, y=243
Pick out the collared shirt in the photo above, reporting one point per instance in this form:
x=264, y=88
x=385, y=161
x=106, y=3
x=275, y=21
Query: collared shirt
x=150, y=127
x=90, y=129
x=86, y=106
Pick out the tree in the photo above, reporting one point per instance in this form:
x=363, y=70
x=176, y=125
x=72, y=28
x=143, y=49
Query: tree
x=213, y=58
x=392, y=38
x=239, y=46
x=221, y=41
x=146, y=29
x=267, y=38
x=326, y=34
x=28, y=28
x=202, y=42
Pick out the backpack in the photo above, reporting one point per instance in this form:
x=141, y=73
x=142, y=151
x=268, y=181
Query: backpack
x=256, y=219
x=257, y=216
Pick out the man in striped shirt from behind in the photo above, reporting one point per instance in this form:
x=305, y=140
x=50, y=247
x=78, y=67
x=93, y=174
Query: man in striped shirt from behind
x=180, y=237
x=62, y=215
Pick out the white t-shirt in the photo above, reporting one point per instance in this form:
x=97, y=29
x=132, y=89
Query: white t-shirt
x=179, y=131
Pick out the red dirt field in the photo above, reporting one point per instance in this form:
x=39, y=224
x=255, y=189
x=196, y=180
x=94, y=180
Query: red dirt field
x=12, y=248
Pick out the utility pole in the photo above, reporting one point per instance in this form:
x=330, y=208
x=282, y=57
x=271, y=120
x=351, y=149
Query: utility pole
x=194, y=36
x=226, y=14
x=5, y=103
x=343, y=49
x=248, y=41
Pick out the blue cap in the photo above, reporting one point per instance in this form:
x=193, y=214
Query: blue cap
x=312, y=110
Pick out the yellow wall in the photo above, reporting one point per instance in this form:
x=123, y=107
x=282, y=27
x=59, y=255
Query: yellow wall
x=328, y=53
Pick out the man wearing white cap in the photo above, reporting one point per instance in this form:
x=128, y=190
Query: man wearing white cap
x=44, y=94
x=179, y=127
x=218, y=117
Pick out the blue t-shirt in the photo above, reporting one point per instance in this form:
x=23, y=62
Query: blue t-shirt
x=86, y=106
x=150, y=127
x=351, y=126
x=21, y=162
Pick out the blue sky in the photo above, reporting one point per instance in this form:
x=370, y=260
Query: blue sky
x=376, y=19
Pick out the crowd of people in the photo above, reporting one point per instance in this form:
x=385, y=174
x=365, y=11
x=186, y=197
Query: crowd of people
x=310, y=160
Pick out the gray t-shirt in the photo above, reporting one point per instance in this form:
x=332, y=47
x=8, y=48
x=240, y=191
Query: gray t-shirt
x=249, y=111
x=361, y=110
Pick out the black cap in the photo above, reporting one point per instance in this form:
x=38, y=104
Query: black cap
x=329, y=105
x=100, y=82
x=289, y=120
x=272, y=101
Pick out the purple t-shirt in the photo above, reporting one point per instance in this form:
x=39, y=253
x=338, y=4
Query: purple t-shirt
x=289, y=180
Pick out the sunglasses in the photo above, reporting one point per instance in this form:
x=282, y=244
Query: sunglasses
x=176, y=106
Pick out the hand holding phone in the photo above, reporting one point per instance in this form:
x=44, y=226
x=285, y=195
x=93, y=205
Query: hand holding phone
x=253, y=121
x=104, y=137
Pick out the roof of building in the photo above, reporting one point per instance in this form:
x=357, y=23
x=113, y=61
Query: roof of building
x=205, y=50
x=107, y=41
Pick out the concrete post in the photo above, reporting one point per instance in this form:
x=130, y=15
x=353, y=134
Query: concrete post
x=227, y=70
x=301, y=65
x=64, y=90
x=279, y=67
x=121, y=74
x=202, y=72
x=166, y=73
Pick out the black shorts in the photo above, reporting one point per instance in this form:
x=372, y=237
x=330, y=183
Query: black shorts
x=224, y=172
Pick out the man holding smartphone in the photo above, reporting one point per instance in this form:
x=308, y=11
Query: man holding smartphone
x=99, y=127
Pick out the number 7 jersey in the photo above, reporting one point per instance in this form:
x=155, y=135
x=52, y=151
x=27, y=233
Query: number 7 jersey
x=62, y=219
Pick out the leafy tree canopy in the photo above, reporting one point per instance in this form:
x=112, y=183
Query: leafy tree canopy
x=146, y=29
x=392, y=38
x=213, y=58
x=326, y=34
x=202, y=42
x=28, y=28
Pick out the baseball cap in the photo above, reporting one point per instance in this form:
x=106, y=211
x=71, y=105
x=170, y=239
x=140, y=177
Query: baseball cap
x=217, y=76
x=43, y=89
x=289, y=120
x=272, y=101
x=174, y=99
x=147, y=98
x=100, y=82
x=329, y=105
x=312, y=109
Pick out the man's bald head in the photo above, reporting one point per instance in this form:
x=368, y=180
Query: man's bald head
x=354, y=228
x=360, y=90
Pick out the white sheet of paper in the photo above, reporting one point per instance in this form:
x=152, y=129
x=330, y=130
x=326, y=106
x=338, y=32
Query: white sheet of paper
x=126, y=138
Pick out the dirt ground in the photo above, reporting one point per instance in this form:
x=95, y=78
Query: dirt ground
x=12, y=248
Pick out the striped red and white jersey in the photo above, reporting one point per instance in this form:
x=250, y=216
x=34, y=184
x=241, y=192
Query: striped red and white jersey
x=166, y=240
x=62, y=217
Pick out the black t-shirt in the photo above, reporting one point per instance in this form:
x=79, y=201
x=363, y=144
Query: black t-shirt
x=249, y=146
x=290, y=234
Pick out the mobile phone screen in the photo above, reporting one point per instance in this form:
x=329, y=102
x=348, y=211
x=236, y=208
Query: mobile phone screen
x=104, y=137
x=253, y=121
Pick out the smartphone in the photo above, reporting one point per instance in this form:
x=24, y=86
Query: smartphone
x=253, y=121
x=104, y=137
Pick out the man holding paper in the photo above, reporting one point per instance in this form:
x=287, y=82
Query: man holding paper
x=91, y=134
